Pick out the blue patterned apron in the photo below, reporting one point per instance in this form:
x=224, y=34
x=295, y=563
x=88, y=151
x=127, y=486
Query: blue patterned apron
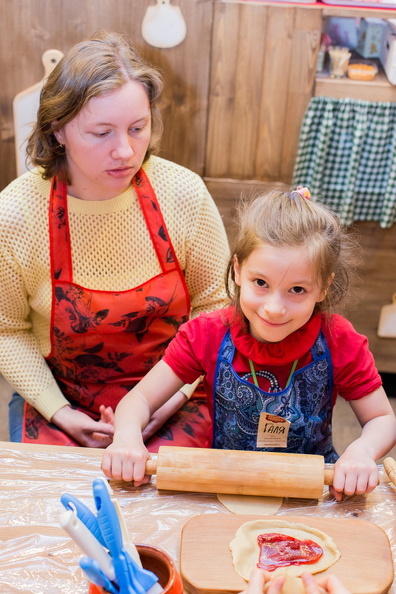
x=306, y=403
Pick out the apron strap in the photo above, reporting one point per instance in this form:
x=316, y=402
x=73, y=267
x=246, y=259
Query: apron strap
x=59, y=233
x=154, y=221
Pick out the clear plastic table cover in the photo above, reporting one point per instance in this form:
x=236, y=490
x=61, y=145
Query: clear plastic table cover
x=36, y=556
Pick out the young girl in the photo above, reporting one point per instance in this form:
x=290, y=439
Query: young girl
x=275, y=361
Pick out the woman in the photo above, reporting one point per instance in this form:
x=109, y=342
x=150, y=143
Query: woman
x=106, y=250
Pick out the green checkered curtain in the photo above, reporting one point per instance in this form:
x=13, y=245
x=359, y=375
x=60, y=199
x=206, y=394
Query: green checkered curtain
x=347, y=158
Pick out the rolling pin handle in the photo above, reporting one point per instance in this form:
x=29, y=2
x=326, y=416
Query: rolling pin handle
x=329, y=476
x=151, y=466
x=390, y=467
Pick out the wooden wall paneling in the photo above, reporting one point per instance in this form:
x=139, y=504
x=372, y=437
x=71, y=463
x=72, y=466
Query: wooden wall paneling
x=228, y=192
x=29, y=27
x=184, y=104
x=277, y=59
x=306, y=41
x=226, y=21
x=249, y=74
x=374, y=288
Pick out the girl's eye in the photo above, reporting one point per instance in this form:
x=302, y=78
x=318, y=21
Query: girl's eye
x=259, y=282
x=298, y=290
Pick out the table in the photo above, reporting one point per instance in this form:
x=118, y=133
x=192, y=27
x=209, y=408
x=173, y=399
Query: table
x=37, y=557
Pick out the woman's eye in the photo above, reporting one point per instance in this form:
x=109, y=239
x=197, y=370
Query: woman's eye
x=298, y=290
x=101, y=134
x=136, y=129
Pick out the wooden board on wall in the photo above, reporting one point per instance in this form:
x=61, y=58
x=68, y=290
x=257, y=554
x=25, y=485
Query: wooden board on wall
x=262, y=78
x=30, y=27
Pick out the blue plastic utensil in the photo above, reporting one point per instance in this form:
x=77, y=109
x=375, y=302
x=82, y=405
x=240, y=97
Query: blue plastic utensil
x=144, y=577
x=83, y=512
x=111, y=531
x=92, y=570
x=87, y=542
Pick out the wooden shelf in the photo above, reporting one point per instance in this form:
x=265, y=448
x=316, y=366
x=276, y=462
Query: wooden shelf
x=379, y=89
x=328, y=10
x=357, y=11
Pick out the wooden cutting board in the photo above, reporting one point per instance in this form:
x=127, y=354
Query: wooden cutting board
x=365, y=566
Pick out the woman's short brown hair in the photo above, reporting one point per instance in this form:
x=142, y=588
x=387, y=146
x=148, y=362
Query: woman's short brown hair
x=89, y=69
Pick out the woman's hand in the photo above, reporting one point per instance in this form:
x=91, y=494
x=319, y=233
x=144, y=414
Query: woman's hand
x=355, y=472
x=84, y=430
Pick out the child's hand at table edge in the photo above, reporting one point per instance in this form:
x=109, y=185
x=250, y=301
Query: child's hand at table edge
x=126, y=460
x=355, y=473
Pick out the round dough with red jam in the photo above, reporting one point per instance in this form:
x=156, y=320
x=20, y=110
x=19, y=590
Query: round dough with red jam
x=246, y=550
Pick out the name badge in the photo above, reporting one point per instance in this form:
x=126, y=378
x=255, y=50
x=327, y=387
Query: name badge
x=272, y=431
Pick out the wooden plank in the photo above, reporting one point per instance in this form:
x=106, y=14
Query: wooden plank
x=306, y=41
x=248, y=83
x=184, y=103
x=226, y=31
x=228, y=192
x=277, y=62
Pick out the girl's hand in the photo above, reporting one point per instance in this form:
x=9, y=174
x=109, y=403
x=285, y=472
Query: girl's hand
x=84, y=430
x=355, y=472
x=125, y=459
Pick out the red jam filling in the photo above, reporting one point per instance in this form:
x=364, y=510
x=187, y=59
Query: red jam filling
x=280, y=550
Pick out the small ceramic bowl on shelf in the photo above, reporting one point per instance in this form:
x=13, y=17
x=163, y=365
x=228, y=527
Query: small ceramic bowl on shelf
x=159, y=562
x=362, y=70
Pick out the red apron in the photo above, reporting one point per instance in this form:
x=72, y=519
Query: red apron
x=104, y=342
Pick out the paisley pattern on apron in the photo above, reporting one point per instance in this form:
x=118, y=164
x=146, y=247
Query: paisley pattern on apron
x=306, y=403
x=104, y=342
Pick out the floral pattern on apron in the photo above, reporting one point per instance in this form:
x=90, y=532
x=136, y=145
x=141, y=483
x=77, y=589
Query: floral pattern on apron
x=104, y=342
x=306, y=403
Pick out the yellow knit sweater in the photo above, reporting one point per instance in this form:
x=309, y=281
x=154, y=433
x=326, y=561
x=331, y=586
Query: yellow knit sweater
x=111, y=250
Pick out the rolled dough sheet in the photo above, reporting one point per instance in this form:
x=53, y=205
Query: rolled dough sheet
x=245, y=549
x=250, y=504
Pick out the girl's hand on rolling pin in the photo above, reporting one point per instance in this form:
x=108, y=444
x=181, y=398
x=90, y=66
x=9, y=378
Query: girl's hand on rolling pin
x=85, y=431
x=355, y=472
x=125, y=459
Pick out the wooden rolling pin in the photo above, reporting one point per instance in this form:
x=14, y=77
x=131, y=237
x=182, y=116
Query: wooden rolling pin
x=240, y=472
x=390, y=467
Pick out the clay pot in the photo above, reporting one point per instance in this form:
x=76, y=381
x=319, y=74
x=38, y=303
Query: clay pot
x=159, y=562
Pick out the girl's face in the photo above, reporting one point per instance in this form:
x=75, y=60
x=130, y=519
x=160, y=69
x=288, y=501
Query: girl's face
x=278, y=291
x=107, y=141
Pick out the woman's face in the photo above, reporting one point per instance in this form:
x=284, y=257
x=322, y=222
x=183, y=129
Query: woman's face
x=106, y=142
